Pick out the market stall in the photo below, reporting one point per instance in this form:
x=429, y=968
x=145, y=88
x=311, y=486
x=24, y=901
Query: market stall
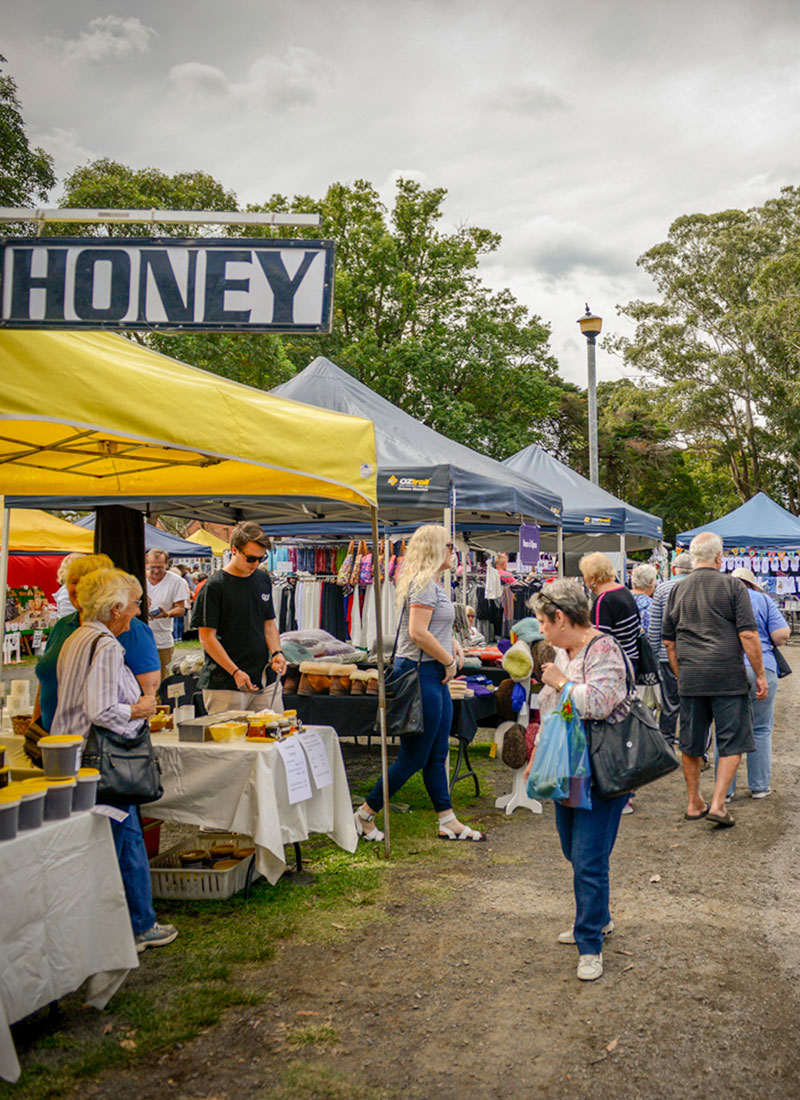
x=244, y=787
x=762, y=536
x=64, y=919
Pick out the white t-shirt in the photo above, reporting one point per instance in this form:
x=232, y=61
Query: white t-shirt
x=170, y=590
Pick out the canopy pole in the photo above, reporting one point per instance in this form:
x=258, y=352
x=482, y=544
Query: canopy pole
x=376, y=589
x=623, y=558
x=4, y=536
x=447, y=523
x=560, y=552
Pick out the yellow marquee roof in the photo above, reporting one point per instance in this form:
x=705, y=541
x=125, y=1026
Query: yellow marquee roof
x=33, y=530
x=205, y=538
x=97, y=415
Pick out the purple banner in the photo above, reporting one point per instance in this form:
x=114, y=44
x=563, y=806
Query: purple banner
x=529, y=544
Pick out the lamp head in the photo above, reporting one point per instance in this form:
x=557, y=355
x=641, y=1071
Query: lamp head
x=591, y=325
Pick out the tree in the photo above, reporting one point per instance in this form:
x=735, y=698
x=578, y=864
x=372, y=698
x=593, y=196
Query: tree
x=26, y=173
x=413, y=320
x=723, y=341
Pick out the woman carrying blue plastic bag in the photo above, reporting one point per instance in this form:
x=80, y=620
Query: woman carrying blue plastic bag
x=596, y=687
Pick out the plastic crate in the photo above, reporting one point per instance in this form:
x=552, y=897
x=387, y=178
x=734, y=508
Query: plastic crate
x=169, y=880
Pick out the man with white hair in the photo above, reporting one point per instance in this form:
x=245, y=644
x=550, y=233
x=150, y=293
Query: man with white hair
x=670, y=700
x=707, y=627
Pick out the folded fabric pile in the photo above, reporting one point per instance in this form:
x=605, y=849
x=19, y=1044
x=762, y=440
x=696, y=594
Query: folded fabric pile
x=459, y=689
x=479, y=685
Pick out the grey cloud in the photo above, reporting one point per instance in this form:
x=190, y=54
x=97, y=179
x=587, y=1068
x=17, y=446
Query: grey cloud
x=524, y=98
x=296, y=80
x=107, y=36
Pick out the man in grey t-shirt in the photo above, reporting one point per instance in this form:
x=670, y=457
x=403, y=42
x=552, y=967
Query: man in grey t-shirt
x=707, y=626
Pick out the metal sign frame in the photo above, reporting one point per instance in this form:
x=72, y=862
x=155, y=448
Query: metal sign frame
x=146, y=273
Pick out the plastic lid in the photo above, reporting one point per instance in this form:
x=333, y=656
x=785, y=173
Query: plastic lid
x=31, y=782
x=88, y=773
x=60, y=782
x=60, y=739
x=30, y=788
x=9, y=797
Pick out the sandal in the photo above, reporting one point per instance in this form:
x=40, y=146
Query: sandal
x=466, y=833
x=362, y=820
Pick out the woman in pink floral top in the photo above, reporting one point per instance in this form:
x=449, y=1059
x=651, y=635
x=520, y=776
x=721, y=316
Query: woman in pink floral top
x=590, y=665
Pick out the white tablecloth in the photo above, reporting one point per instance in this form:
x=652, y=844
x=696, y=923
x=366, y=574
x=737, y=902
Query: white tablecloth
x=63, y=919
x=241, y=787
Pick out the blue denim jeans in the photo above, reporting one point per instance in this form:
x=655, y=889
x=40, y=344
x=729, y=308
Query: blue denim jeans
x=429, y=752
x=135, y=869
x=759, y=763
x=587, y=837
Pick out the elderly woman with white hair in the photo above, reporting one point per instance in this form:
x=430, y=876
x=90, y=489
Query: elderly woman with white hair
x=96, y=687
x=643, y=584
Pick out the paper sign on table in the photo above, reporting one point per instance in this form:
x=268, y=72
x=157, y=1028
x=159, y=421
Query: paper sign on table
x=298, y=782
x=314, y=748
x=175, y=691
x=36, y=641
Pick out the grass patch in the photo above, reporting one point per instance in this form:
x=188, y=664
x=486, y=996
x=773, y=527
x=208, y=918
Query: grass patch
x=324, y=1035
x=300, y=1081
x=187, y=987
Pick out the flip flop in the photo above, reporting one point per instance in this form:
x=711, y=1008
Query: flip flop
x=696, y=817
x=725, y=820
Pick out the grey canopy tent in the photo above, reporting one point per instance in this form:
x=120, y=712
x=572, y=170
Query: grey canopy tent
x=419, y=469
x=593, y=519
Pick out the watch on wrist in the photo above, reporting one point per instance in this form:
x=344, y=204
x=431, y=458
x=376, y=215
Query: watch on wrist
x=275, y=653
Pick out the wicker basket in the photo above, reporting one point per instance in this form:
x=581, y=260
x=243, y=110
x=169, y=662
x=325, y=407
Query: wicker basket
x=169, y=880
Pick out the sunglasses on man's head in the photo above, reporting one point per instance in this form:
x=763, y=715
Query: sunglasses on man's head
x=251, y=558
x=449, y=545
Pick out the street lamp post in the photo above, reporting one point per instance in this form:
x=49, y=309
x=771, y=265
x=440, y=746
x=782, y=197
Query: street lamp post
x=591, y=326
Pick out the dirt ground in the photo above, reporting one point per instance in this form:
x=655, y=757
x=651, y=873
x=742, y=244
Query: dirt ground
x=464, y=993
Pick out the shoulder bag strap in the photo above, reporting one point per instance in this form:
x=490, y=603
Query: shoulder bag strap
x=630, y=683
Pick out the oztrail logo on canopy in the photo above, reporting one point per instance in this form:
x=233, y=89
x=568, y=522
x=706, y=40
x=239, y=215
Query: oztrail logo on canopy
x=169, y=283
x=409, y=484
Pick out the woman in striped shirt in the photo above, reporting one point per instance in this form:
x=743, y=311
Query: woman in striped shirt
x=614, y=609
x=96, y=687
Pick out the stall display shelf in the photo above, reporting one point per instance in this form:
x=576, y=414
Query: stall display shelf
x=169, y=880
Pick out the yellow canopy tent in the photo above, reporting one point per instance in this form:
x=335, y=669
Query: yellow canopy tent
x=205, y=538
x=94, y=418
x=35, y=531
x=96, y=415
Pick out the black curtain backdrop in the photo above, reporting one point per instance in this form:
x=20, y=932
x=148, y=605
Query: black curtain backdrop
x=119, y=532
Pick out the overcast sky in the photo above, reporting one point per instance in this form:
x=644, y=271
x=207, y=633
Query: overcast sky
x=578, y=129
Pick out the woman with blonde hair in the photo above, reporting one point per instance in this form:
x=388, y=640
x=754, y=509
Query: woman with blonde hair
x=614, y=609
x=424, y=639
x=138, y=642
x=96, y=688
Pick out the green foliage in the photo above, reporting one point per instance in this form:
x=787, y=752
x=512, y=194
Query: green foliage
x=722, y=344
x=26, y=173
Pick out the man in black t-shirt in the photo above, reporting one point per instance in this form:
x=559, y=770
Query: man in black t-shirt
x=707, y=626
x=235, y=619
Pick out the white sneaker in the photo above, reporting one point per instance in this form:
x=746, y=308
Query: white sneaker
x=628, y=807
x=569, y=936
x=761, y=794
x=590, y=968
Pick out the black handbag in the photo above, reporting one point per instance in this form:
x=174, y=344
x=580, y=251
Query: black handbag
x=627, y=755
x=129, y=773
x=403, y=699
x=784, y=668
x=649, y=671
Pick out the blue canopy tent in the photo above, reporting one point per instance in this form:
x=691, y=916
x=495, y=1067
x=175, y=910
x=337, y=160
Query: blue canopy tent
x=761, y=523
x=593, y=519
x=156, y=539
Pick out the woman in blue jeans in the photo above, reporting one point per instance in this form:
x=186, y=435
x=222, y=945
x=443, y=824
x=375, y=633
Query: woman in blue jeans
x=424, y=639
x=772, y=627
x=592, y=667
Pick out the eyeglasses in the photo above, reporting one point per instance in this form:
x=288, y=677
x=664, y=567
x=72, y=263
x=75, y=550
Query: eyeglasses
x=251, y=558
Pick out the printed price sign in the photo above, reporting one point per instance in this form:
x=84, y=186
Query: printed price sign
x=298, y=782
x=175, y=691
x=314, y=748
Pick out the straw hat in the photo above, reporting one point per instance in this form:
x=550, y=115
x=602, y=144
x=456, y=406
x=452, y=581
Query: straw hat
x=746, y=575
